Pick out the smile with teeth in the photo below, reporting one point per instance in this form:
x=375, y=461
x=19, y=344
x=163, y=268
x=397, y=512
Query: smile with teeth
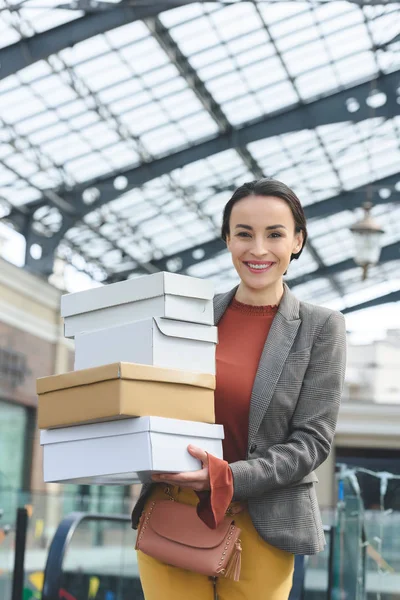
x=259, y=266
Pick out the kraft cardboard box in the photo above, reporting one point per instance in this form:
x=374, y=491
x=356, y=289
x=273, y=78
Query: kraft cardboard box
x=159, y=342
x=125, y=452
x=122, y=390
x=159, y=295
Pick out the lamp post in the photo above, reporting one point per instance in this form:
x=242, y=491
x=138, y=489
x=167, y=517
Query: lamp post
x=367, y=238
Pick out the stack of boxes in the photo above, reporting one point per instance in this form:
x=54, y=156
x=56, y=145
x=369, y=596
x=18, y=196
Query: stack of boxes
x=143, y=383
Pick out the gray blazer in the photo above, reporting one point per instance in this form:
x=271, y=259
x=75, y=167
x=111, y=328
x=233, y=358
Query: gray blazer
x=293, y=413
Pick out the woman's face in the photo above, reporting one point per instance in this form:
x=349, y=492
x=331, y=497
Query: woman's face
x=261, y=239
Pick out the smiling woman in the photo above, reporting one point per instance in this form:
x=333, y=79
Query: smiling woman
x=265, y=228
x=279, y=378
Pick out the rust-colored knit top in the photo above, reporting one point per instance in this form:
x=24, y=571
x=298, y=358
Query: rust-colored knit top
x=242, y=332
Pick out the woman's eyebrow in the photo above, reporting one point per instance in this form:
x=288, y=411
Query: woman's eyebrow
x=267, y=228
x=244, y=226
x=276, y=227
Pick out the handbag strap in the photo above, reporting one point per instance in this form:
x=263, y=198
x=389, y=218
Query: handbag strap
x=167, y=492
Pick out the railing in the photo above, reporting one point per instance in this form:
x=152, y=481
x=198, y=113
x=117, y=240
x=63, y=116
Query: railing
x=46, y=510
x=92, y=555
x=318, y=571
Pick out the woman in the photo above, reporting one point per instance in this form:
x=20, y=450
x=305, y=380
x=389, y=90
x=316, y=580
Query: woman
x=280, y=372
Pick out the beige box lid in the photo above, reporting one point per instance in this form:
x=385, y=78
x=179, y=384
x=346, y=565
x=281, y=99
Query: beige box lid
x=123, y=370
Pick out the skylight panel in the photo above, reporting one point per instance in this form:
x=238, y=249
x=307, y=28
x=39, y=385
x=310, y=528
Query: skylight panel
x=119, y=73
x=301, y=18
x=7, y=177
x=357, y=67
x=182, y=104
x=316, y=82
x=161, y=76
x=349, y=41
x=217, y=69
x=334, y=15
x=43, y=20
x=144, y=118
x=211, y=55
x=161, y=140
x=19, y=195
x=19, y=163
x=127, y=34
x=37, y=72
x=227, y=87
x=18, y=104
x=277, y=96
x=87, y=167
x=265, y=72
x=242, y=46
x=175, y=17
x=235, y=20
x=307, y=57
x=199, y=37
x=132, y=87
x=245, y=109
x=120, y=155
x=8, y=35
x=199, y=126
x=46, y=179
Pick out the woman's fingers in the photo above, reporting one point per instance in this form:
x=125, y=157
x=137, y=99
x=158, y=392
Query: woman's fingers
x=197, y=480
x=198, y=453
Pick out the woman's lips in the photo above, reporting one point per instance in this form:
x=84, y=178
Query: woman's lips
x=259, y=267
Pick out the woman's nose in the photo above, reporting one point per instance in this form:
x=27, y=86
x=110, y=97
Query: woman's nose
x=259, y=248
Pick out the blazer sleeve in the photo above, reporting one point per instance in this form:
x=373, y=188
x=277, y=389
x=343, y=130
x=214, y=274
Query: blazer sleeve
x=313, y=423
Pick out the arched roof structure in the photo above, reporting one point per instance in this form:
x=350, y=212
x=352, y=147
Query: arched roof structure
x=126, y=125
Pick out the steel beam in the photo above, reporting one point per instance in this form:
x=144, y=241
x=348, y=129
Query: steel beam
x=322, y=111
x=327, y=110
x=198, y=87
x=388, y=253
x=42, y=45
x=386, y=299
x=185, y=259
x=349, y=200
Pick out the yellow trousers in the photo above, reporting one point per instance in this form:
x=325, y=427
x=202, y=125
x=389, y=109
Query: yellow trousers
x=266, y=572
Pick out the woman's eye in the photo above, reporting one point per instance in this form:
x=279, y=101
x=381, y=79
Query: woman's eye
x=275, y=235
x=243, y=234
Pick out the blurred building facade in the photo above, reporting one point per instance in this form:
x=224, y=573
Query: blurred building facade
x=31, y=346
x=373, y=371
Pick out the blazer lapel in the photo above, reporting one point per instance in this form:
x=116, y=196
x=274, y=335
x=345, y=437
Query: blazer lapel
x=221, y=303
x=276, y=349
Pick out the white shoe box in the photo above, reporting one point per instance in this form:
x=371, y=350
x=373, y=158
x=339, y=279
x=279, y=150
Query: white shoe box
x=159, y=295
x=159, y=342
x=127, y=451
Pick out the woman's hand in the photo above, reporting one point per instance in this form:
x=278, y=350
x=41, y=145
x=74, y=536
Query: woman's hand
x=195, y=480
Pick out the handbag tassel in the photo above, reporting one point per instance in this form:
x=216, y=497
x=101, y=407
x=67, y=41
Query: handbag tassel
x=234, y=566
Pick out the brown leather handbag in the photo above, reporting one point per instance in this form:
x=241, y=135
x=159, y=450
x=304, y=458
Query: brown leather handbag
x=174, y=534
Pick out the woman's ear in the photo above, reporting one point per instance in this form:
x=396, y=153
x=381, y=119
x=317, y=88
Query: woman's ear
x=298, y=242
x=228, y=242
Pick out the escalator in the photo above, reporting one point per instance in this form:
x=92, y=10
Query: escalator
x=92, y=557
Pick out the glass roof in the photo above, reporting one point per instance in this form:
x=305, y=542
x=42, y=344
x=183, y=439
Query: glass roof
x=152, y=88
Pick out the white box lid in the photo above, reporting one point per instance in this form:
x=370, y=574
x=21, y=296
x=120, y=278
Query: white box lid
x=132, y=290
x=129, y=426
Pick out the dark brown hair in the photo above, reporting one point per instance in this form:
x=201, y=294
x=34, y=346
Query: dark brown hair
x=267, y=187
